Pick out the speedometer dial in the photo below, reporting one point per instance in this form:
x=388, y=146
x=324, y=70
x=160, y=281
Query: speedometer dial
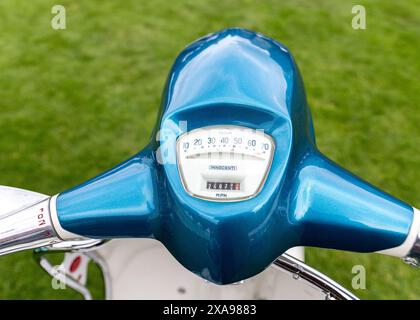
x=224, y=163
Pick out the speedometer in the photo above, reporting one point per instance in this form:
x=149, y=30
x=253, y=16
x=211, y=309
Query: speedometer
x=224, y=163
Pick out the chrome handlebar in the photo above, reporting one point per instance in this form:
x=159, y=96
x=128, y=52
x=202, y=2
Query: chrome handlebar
x=27, y=228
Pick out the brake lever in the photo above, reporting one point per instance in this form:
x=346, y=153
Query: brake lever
x=73, y=245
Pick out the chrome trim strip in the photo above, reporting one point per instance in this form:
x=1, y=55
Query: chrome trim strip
x=413, y=257
x=303, y=272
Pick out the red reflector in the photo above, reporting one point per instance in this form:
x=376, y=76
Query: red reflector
x=75, y=264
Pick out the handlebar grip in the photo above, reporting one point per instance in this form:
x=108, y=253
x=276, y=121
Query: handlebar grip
x=27, y=228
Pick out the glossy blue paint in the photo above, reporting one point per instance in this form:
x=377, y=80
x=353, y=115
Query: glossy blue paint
x=236, y=77
x=103, y=207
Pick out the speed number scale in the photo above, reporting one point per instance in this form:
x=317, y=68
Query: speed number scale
x=224, y=163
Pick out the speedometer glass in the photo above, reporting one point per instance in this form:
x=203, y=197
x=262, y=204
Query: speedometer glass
x=224, y=163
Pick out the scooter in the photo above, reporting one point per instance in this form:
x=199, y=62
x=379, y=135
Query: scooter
x=221, y=202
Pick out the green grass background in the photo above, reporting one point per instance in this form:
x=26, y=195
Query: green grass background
x=75, y=102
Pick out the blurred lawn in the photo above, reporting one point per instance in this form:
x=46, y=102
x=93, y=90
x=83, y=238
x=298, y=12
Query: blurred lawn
x=75, y=102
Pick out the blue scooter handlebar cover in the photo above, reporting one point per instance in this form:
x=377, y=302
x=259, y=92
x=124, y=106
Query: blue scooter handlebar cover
x=122, y=202
x=236, y=77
